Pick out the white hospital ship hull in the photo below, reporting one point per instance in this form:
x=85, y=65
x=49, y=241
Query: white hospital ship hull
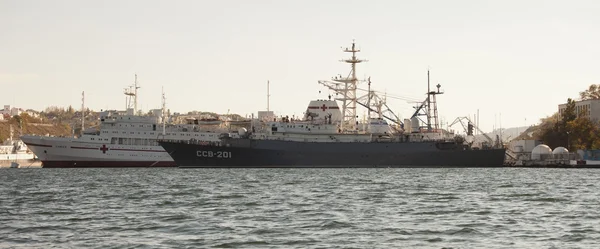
x=60, y=152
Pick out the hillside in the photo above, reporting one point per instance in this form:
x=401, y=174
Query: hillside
x=33, y=128
x=531, y=133
x=507, y=134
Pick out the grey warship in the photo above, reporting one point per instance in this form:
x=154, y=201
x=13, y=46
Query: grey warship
x=332, y=136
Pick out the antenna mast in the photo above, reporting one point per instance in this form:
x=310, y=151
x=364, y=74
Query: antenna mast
x=369, y=101
x=346, y=86
x=132, y=93
x=349, y=100
x=164, y=104
x=135, y=96
x=82, y=111
x=428, y=104
x=268, y=95
x=431, y=94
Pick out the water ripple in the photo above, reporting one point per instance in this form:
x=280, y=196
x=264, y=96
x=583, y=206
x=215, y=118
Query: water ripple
x=299, y=208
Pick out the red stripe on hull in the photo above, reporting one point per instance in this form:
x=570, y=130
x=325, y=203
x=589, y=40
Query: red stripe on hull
x=139, y=150
x=84, y=148
x=88, y=148
x=106, y=164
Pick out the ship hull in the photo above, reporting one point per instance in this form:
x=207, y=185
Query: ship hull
x=24, y=162
x=58, y=152
x=258, y=154
x=105, y=164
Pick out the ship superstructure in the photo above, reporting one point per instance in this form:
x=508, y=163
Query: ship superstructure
x=14, y=151
x=123, y=139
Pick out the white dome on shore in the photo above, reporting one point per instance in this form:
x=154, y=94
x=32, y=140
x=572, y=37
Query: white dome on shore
x=560, y=150
x=540, y=150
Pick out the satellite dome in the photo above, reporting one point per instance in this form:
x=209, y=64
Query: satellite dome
x=540, y=150
x=560, y=150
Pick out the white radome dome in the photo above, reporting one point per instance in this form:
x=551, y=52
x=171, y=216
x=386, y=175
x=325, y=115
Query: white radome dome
x=560, y=150
x=540, y=150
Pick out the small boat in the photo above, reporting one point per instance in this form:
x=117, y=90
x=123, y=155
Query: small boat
x=239, y=122
x=209, y=121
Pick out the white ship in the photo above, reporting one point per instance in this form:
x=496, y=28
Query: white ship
x=121, y=140
x=15, y=152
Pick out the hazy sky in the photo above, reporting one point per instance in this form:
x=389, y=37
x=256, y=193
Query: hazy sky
x=517, y=59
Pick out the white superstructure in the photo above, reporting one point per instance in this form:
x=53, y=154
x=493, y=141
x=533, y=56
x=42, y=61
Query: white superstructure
x=326, y=121
x=14, y=151
x=121, y=140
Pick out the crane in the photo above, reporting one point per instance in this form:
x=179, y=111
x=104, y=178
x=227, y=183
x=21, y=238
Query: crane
x=469, y=128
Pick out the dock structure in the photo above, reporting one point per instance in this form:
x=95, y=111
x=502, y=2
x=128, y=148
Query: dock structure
x=555, y=159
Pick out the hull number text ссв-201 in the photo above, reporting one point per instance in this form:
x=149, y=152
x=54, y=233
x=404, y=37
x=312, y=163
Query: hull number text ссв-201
x=217, y=154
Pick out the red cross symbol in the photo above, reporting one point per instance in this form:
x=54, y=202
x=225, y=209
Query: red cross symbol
x=103, y=148
x=323, y=107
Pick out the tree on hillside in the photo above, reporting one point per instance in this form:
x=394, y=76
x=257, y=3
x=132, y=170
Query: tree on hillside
x=54, y=109
x=554, y=132
x=583, y=134
x=593, y=92
x=569, y=114
x=16, y=119
x=549, y=131
x=29, y=119
x=570, y=131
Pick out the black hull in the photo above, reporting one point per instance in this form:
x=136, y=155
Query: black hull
x=299, y=155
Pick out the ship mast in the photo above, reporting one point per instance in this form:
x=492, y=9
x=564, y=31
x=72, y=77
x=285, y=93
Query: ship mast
x=425, y=108
x=435, y=111
x=132, y=93
x=347, y=87
x=82, y=111
x=369, y=101
x=430, y=102
x=164, y=104
x=135, y=111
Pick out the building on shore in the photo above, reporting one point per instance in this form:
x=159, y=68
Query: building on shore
x=589, y=108
x=11, y=111
x=523, y=146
